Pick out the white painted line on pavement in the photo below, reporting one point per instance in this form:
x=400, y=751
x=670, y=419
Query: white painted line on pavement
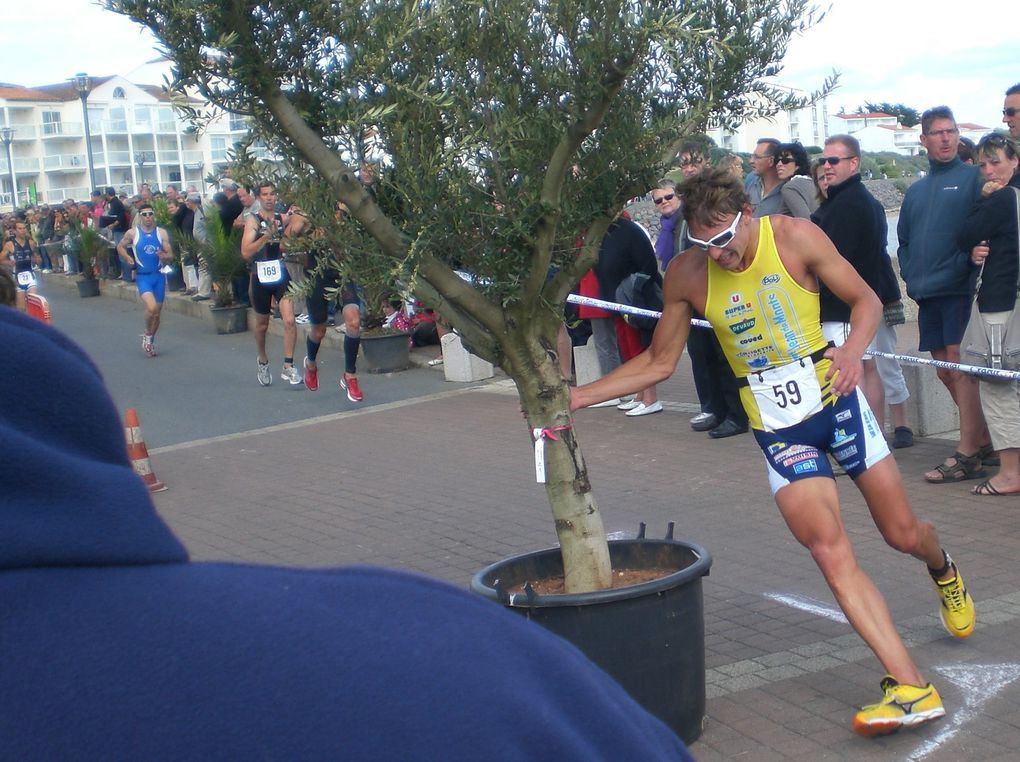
x=810, y=605
x=979, y=683
x=396, y=405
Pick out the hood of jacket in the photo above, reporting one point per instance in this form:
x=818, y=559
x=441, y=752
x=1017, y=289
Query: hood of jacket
x=69, y=495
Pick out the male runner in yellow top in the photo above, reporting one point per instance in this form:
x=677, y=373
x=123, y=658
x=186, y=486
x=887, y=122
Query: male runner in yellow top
x=756, y=282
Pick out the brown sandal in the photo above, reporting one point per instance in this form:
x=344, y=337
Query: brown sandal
x=959, y=468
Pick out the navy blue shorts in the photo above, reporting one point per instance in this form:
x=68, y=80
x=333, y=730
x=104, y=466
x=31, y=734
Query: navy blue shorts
x=317, y=303
x=941, y=321
x=847, y=429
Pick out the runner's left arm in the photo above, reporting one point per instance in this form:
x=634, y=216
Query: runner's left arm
x=166, y=254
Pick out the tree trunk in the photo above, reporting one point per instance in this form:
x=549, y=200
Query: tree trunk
x=531, y=362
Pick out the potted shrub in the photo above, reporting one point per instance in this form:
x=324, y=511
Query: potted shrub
x=507, y=133
x=221, y=254
x=165, y=220
x=86, y=245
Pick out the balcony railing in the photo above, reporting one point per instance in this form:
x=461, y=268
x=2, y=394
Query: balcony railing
x=24, y=131
x=65, y=162
x=193, y=159
x=169, y=157
x=118, y=158
x=26, y=164
x=62, y=130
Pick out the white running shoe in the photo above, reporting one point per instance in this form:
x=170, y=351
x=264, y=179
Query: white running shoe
x=147, y=345
x=289, y=373
x=263, y=375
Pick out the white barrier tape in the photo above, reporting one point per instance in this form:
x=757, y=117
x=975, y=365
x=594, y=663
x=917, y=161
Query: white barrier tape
x=973, y=370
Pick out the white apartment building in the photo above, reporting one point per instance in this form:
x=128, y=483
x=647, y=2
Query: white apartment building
x=807, y=125
x=136, y=138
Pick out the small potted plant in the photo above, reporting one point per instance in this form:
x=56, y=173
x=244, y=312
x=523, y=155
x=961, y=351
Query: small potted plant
x=86, y=245
x=221, y=254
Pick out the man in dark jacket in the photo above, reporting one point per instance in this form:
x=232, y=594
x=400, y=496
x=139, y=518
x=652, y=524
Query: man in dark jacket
x=855, y=223
x=115, y=646
x=115, y=219
x=937, y=275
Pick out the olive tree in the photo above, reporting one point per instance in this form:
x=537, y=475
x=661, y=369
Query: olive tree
x=513, y=133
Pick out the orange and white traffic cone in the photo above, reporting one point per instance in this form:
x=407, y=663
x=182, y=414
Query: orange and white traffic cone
x=138, y=453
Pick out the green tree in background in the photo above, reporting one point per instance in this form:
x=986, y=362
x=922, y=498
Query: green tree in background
x=908, y=116
x=505, y=129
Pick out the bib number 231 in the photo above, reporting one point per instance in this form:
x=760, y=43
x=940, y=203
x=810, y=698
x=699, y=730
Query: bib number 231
x=269, y=273
x=786, y=395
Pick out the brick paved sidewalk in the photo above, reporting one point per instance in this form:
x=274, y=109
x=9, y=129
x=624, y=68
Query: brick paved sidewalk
x=444, y=485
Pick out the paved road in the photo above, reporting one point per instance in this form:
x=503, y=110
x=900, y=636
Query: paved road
x=201, y=384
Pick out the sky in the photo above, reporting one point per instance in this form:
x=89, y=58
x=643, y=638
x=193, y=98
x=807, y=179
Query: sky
x=882, y=48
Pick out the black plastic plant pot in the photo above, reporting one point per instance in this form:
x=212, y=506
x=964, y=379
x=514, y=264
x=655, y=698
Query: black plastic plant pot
x=386, y=353
x=650, y=637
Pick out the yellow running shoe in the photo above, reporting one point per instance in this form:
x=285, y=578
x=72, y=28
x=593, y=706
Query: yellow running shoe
x=903, y=706
x=957, y=609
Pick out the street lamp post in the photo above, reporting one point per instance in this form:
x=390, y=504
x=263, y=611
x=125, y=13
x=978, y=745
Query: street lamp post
x=81, y=83
x=7, y=135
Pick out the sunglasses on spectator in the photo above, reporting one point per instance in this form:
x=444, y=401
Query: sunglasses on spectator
x=786, y=159
x=664, y=198
x=834, y=160
x=146, y=214
x=1010, y=112
x=719, y=239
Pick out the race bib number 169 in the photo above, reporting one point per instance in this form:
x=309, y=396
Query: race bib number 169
x=269, y=273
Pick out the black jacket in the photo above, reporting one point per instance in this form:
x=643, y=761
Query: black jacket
x=994, y=219
x=855, y=223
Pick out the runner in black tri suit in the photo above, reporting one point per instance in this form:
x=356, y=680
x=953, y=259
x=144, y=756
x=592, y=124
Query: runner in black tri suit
x=19, y=255
x=316, y=301
x=260, y=245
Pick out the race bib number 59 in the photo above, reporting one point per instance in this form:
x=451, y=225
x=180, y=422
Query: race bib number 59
x=269, y=273
x=786, y=396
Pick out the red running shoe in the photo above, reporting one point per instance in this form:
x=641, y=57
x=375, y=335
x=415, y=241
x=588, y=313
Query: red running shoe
x=311, y=377
x=350, y=385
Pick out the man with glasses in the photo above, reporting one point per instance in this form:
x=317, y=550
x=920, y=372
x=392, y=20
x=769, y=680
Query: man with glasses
x=756, y=282
x=763, y=184
x=151, y=247
x=1011, y=111
x=855, y=223
x=937, y=275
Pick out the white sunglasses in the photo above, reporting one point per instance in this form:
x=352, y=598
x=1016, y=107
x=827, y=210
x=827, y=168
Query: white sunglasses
x=720, y=239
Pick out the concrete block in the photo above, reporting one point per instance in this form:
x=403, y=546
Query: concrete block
x=930, y=408
x=460, y=365
x=586, y=363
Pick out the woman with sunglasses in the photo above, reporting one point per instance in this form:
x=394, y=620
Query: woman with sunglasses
x=798, y=189
x=990, y=235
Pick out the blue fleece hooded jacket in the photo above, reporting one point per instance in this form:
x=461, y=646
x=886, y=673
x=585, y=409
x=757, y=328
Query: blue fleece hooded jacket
x=114, y=646
x=931, y=218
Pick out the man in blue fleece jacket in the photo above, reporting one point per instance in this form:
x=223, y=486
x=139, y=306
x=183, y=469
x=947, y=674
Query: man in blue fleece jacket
x=937, y=275
x=114, y=646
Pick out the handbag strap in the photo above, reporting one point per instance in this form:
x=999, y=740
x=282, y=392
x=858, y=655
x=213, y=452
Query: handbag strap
x=1016, y=196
